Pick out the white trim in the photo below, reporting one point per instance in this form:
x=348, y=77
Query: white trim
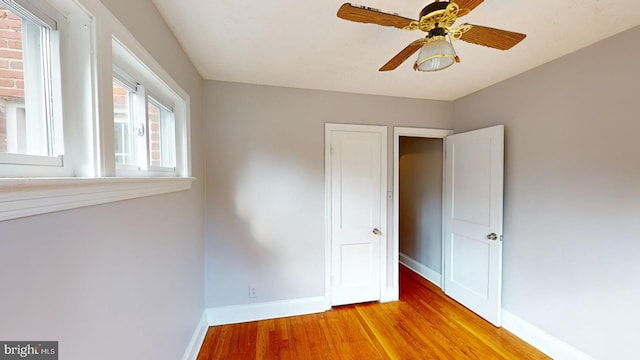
x=327, y=216
x=385, y=295
x=123, y=79
x=422, y=132
x=395, y=244
x=422, y=270
x=33, y=160
x=29, y=196
x=37, y=11
x=266, y=310
x=540, y=339
x=193, y=349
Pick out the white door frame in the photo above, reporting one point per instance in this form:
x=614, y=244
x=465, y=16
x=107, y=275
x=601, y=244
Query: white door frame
x=395, y=244
x=384, y=237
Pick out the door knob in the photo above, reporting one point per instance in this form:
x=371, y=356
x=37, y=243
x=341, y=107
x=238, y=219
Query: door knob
x=492, y=236
x=376, y=231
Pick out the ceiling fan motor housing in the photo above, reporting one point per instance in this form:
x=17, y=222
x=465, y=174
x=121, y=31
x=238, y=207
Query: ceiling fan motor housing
x=435, y=6
x=437, y=31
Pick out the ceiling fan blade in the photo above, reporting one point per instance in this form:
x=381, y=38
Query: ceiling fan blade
x=466, y=6
x=494, y=38
x=402, y=55
x=371, y=15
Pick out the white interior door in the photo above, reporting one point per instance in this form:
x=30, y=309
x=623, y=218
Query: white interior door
x=357, y=183
x=472, y=268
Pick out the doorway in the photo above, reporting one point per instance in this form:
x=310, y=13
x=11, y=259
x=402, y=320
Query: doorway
x=420, y=192
x=418, y=201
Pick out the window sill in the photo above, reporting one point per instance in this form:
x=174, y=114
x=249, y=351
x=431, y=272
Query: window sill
x=32, y=196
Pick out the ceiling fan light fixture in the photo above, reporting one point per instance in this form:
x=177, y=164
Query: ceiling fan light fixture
x=436, y=54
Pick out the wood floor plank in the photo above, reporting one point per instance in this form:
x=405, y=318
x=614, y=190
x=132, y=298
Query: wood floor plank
x=348, y=336
x=424, y=324
x=430, y=299
x=398, y=337
x=460, y=329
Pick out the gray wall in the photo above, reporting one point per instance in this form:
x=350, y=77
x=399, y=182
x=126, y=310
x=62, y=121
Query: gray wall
x=265, y=182
x=572, y=191
x=121, y=280
x=420, y=219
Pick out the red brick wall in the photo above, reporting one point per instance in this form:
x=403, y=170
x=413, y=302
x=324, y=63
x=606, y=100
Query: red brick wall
x=154, y=136
x=119, y=96
x=11, y=69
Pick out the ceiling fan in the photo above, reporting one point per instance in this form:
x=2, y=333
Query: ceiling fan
x=436, y=19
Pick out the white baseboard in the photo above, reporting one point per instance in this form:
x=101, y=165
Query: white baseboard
x=533, y=335
x=540, y=339
x=266, y=310
x=421, y=270
x=197, y=339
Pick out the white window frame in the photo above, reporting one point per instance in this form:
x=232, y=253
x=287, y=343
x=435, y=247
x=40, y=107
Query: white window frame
x=88, y=32
x=39, y=15
x=140, y=98
x=149, y=86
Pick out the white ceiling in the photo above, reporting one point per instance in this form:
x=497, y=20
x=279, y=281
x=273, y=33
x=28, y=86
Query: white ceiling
x=303, y=44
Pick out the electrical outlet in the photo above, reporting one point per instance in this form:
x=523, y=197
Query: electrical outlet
x=252, y=291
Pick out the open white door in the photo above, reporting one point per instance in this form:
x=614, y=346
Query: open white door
x=356, y=165
x=472, y=268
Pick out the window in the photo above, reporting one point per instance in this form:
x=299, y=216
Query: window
x=149, y=119
x=30, y=123
x=144, y=129
x=126, y=121
x=162, y=138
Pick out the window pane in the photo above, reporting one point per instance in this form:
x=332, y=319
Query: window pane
x=25, y=89
x=122, y=125
x=161, y=136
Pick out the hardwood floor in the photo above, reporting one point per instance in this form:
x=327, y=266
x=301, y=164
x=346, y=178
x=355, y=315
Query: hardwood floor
x=424, y=324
